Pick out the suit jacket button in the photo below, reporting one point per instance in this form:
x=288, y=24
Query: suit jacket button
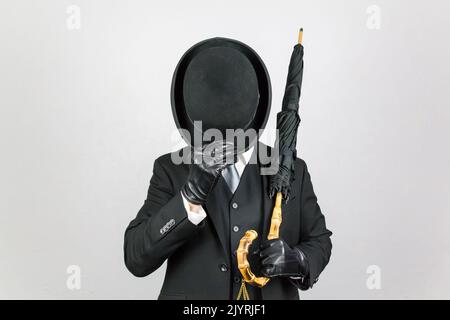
x=235, y=205
x=236, y=280
x=223, y=267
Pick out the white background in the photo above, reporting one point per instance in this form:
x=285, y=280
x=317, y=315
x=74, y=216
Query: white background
x=84, y=113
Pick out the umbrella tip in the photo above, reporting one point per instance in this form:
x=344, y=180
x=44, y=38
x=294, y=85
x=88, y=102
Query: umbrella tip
x=300, y=36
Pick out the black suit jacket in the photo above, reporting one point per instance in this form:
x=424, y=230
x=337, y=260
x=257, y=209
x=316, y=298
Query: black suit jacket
x=197, y=260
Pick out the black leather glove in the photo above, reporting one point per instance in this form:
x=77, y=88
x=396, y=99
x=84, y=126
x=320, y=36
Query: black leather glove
x=206, y=169
x=279, y=259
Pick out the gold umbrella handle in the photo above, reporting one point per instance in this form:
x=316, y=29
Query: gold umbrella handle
x=243, y=264
x=242, y=252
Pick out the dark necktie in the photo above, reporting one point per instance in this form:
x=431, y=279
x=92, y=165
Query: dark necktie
x=231, y=176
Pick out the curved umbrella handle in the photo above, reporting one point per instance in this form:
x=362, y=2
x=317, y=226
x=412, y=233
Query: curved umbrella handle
x=243, y=264
x=242, y=252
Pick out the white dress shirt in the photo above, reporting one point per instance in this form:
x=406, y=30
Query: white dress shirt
x=197, y=217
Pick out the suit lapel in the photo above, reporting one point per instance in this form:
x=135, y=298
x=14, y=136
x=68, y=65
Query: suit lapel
x=215, y=213
x=267, y=206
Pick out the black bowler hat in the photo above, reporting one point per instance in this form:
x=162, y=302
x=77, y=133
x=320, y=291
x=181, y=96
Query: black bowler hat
x=223, y=83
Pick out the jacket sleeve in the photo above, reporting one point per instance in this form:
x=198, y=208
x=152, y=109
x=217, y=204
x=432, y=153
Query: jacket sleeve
x=315, y=240
x=160, y=227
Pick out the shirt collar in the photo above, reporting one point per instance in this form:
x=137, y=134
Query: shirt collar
x=243, y=160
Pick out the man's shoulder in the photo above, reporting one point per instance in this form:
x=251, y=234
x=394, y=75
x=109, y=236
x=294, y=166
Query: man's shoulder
x=299, y=162
x=172, y=159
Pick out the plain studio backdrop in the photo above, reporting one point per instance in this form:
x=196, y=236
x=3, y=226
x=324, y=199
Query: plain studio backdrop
x=84, y=112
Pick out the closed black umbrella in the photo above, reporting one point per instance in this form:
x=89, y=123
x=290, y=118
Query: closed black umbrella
x=287, y=124
x=280, y=184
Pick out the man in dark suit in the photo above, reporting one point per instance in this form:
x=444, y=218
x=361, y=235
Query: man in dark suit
x=200, y=253
x=197, y=211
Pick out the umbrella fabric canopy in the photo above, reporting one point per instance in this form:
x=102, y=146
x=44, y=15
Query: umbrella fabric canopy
x=287, y=125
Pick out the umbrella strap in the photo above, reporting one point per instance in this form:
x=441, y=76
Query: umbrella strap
x=243, y=293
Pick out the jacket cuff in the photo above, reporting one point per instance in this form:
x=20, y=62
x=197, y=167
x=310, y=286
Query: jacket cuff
x=172, y=216
x=306, y=282
x=194, y=217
